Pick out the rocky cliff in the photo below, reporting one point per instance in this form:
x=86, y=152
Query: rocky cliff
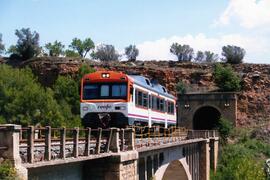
x=254, y=99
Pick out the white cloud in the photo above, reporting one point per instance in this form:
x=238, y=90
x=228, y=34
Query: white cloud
x=250, y=13
x=160, y=49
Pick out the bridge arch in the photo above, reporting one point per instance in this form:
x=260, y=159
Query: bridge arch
x=206, y=117
x=177, y=169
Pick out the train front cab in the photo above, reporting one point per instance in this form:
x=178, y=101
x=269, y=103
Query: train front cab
x=104, y=99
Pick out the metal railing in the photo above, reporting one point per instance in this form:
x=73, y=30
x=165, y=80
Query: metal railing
x=194, y=134
x=156, y=135
x=39, y=144
x=35, y=144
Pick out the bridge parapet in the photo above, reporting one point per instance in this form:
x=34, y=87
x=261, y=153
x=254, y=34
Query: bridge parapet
x=45, y=144
x=32, y=149
x=193, y=134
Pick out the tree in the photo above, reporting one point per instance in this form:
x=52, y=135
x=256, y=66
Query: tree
x=67, y=89
x=106, y=53
x=233, y=54
x=55, y=49
x=24, y=101
x=71, y=53
x=82, y=47
x=226, y=79
x=206, y=56
x=131, y=52
x=183, y=52
x=199, y=57
x=210, y=56
x=27, y=45
x=2, y=46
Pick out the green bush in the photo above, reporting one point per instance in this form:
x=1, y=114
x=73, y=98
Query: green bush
x=84, y=69
x=181, y=87
x=241, y=168
x=24, y=101
x=238, y=162
x=226, y=79
x=242, y=160
x=7, y=172
x=225, y=128
x=67, y=89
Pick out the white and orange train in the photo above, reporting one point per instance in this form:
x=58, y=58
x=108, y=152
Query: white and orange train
x=115, y=99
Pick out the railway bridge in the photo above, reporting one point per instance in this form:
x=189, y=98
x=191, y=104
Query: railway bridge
x=62, y=153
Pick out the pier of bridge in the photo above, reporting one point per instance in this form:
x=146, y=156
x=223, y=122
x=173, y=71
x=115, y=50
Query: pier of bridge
x=60, y=153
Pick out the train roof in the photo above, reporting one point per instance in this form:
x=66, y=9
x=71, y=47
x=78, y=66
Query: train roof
x=153, y=86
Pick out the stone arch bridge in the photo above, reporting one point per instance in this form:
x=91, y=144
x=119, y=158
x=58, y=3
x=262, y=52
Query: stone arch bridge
x=71, y=154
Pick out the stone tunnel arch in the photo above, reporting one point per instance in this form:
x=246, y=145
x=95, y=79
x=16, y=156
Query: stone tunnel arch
x=206, y=117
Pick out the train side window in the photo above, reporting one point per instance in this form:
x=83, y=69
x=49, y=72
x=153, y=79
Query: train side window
x=150, y=101
x=161, y=105
x=154, y=102
x=158, y=104
x=136, y=97
x=140, y=100
x=169, y=107
x=145, y=100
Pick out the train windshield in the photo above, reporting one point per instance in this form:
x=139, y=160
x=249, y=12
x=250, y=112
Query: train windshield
x=104, y=91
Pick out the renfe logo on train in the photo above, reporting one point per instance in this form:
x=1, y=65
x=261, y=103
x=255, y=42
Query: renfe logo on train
x=104, y=107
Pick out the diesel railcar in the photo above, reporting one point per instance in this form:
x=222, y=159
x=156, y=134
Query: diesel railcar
x=115, y=99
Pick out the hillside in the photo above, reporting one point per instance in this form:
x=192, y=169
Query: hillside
x=254, y=100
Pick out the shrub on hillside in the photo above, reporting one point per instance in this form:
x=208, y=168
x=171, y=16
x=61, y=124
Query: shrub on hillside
x=225, y=128
x=242, y=159
x=238, y=161
x=7, y=171
x=84, y=69
x=24, y=101
x=181, y=87
x=67, y=89
x=226, y=79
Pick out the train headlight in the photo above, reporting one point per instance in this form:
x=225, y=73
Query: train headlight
x=120, y=107
x=105, y=75
x=85, y=108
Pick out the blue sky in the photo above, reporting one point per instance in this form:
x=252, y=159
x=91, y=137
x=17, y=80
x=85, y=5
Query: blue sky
x=150, y=24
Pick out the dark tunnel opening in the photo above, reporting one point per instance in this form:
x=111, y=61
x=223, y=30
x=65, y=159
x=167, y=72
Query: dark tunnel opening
x=206, y=118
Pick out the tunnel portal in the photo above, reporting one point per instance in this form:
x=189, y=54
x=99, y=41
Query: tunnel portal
x=206, y=118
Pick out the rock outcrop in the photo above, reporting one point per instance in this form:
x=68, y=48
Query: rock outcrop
x=254, y=99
